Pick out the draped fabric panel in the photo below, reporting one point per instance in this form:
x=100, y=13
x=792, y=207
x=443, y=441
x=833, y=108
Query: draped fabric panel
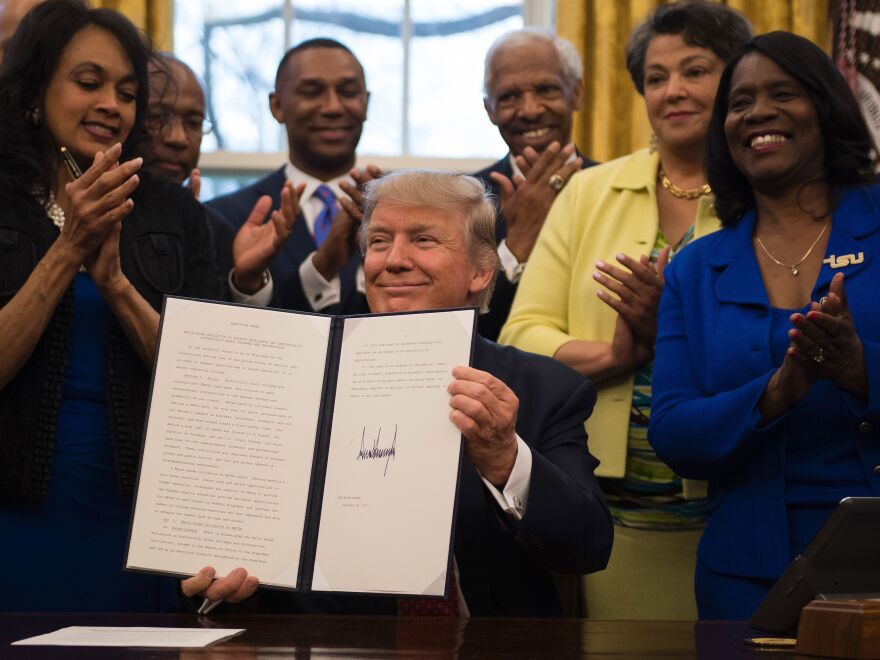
x=155, y=17
x=613, y=121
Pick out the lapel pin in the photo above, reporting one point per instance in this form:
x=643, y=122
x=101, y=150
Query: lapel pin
x=844, y=260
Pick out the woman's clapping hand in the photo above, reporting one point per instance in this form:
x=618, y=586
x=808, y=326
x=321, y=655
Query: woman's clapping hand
x=99, y=199
x=824, y=344
x=825, y=341
x=637, y=287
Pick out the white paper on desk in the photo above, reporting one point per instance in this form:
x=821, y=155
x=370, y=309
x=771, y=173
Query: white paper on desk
x=230, y=438
x=149, y=637
x=392, y=468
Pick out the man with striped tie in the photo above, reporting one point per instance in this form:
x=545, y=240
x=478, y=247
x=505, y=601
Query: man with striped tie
x=321, y=98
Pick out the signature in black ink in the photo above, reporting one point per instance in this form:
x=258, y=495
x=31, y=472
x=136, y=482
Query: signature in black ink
x=377, y=452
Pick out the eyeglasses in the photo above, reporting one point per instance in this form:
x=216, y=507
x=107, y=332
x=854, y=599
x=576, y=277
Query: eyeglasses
x=160, y=118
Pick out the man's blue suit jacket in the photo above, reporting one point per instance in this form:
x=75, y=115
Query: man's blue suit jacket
x=288, y=291
x=713, y=361
x=505, y=567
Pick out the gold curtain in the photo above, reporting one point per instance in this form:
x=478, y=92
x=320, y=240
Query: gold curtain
x=152, y=16
x=613, y=121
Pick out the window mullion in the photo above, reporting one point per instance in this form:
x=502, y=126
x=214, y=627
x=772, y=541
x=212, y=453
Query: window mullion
x=287, y=11
x=539, y=13
x=406, y=34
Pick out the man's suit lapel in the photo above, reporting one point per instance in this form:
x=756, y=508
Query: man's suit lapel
x=485, y=358
x=348, y=281
x=300, y=243
x=272, y=185
x=502, y=167
x=585, y=162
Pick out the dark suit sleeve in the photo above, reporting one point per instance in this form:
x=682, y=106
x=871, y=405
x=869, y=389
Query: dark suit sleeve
x=567, y=527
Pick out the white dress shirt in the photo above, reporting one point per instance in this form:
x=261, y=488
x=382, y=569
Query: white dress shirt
x=515, y=496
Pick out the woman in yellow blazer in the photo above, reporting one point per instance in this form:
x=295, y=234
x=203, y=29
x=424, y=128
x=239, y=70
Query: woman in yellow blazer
x=590, y=292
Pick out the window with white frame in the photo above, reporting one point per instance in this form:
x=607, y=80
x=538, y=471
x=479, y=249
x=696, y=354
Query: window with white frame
x=423, y=61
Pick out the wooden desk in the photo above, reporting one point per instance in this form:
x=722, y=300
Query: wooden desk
x=302, y=637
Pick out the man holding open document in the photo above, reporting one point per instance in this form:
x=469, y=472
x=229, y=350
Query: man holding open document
x=528, y=502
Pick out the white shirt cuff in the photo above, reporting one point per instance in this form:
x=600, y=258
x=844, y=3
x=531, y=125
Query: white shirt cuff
x=260, y=298
x=512, y=268
x=515, y=496
x=319, y=292
x=360, y=280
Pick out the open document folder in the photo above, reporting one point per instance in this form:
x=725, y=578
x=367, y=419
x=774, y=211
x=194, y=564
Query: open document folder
x=315, y=451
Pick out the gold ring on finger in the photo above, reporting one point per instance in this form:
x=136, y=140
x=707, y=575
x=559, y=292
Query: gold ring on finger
x=556, y=182
x=819, y=357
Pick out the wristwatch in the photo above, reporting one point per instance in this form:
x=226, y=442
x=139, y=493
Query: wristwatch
x=264, y=280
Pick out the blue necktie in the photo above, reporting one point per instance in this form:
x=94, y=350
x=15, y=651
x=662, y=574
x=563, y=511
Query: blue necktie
x=325, y=217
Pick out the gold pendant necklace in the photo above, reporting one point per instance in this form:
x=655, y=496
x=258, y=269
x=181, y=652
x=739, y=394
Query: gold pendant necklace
x=681, y=193
x=793, y=267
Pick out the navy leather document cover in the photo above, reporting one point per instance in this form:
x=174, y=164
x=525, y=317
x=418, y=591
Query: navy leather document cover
x=315, y=451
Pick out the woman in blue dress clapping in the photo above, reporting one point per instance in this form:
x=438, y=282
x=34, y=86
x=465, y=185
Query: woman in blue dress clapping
x=768, y=349
x=83, y=266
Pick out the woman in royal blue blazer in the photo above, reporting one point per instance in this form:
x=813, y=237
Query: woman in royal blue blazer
x=768, y=348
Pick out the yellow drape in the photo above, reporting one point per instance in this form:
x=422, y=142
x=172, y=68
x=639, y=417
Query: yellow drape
x=152, y=16
x=613, y=122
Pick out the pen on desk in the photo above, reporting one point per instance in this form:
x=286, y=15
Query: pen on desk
x=70, y=164
x=207, y=606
